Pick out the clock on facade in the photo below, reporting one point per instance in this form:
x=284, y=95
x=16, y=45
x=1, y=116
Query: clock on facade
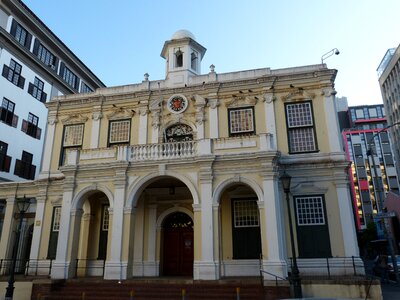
x=177, y=104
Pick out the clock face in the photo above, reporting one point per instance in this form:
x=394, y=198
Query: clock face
x=177, y=104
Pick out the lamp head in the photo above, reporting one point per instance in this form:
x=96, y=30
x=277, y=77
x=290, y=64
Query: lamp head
x=337, y=52
x=286, y=179
x=23, y=204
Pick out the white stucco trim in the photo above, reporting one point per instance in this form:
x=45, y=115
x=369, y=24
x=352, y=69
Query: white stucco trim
x=77, y=201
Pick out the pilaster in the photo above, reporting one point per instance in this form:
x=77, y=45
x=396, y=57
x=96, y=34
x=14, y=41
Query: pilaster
x=48, y=146
x=270, y=123
x=96, y=120
x=213, y=104
x=332, y=120
x=143, y=116
x=6, y=241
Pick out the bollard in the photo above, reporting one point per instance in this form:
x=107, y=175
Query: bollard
x=83, y=295
x=183, y=294
x=132, y=295
x=238, y=293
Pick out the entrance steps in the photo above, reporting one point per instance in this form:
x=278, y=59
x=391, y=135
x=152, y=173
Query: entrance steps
x=157, y=289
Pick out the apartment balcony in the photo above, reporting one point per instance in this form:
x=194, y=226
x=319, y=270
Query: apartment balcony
x=172, y=151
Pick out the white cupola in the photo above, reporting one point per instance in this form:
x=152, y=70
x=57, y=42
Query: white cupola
x=183, y=57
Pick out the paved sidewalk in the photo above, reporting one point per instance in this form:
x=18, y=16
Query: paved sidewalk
x=390, y=291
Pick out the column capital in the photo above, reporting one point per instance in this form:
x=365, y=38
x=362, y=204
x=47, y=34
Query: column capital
x=327, y=92
x=52, y=120
x=97, y=115
x=213, y=103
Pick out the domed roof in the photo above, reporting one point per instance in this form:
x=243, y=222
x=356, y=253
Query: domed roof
x=181, y=34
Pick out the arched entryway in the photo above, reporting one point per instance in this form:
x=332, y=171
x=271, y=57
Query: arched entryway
x=177, y=245
x=178, y=133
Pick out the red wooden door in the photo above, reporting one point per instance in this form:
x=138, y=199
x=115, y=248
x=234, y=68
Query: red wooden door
x=178, y=252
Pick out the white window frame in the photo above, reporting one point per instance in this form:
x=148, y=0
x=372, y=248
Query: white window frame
x=245, y=213
x=241, y=120
x=310, y=210
x=121, y=137
x=73, y=135
x=56, y=219
x=106, y=219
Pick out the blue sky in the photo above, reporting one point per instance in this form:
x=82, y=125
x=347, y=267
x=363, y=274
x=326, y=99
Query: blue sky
x=121, y=40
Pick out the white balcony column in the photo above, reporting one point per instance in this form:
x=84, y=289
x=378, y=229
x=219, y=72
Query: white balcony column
x=334, y=136
x=63, y=266
x=272, y=229
x=138, y=228
x=37, y=231
x=114, y=268
x=143, y=118
x=346, y=217
x=213, y=104
x=270, y=123
x=206, y=268
x=156, y=115
x=48, y=146
x=151, y=266
x=200, y=103
x=95, y=135
x=7, y=235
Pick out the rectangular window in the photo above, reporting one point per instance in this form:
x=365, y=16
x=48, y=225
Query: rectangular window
x=56, y=219
x=301, y=132
x=241, y=121
x=73, y=135
x=24, y=167
x=360, y=113
x=21, y=34
x=5, y=160
x=44, y=55
x=245, y=213
x=372, y=112
x=85, y=88
x=13, y=74
x=30, y=126
x=119, y=131
x=36, y=90
x=310, y=211
x=69, y=77
x=7, y=113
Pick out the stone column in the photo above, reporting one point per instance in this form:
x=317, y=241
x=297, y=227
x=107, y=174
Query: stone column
x=113, y=266
x=213, y=104
x=334, y=136
x=143, y=116
x=151, y=267
x=272, y=230
x=7, y=236
x=206, y=268
x=270, y=123
x=94, y=138
x=129, y=242
x=48, y=147
x=138, y=242
x=346, y=217
x=61, y=268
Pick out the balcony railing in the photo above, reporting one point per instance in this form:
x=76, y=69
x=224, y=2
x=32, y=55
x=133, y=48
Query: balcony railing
x=175, y=150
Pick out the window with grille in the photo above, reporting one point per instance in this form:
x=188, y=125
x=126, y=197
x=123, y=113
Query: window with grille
x=73, y=135
x=57, y=219
x=7, y=112
x=20, y=34
x=241, y=121
x=106, y=218
x=119, y=131
x=68, y=76
x=310, y=211
x=13, y=73
x=45, y=55
x=36, y=90
x=30, y=126
x=245, y=213
x=301, y=133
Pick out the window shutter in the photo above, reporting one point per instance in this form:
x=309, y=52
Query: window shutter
x=14, y=121
x=5, y=71
x=62, y=67
x=7, y=163
x=36, y=47
x=28, y=41
x=13, y=27
x=21, y=82
x=38, y=132
x=43, y=97
x=24, y=127
x=32, y=170
x=30, y=88
x=18, y=167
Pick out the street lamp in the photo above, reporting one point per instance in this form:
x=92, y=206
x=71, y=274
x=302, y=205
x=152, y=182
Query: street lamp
x=334, y=51
x=22, y=205
x=381, y=213
x=295, y=280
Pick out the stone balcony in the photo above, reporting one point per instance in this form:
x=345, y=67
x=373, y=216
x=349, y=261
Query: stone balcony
x=175, y=150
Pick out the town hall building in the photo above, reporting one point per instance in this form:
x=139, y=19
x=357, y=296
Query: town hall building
x=182, y=176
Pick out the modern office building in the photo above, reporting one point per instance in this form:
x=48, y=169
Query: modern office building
x=182, y=176
x=389, y=81
x=368, y=148
x=35, y=66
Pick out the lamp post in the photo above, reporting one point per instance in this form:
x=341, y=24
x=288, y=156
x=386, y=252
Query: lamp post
x=295, y=280
x=380, y=201
x=22, y=205
x=334, y=51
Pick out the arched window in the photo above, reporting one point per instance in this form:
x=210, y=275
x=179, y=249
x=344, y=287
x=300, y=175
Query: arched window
x=194, y=60
x=178, y=133
x=179, y=58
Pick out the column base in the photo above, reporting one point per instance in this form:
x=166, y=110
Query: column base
x=115, y=270
x=62, y=270
x=206, y=270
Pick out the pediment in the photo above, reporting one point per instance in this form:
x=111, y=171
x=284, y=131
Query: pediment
x=120, y=113
x=298, y=95
x=239, y=101
x=308, y=188
x=74, y=119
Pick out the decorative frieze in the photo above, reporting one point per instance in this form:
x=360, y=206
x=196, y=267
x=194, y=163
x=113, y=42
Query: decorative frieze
x=74, y=119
